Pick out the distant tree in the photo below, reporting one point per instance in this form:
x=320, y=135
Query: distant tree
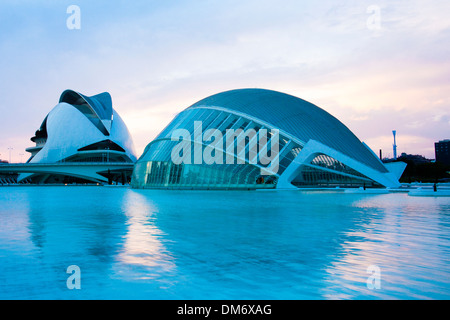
x=425, y=172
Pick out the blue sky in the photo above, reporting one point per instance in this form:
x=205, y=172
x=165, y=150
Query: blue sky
x=158, y=57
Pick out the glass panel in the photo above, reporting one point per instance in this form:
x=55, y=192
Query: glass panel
x=312, y=176
x=154, y=174
x=330, y=163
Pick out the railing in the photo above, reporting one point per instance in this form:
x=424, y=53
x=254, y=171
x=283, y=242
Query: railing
x=22, y=167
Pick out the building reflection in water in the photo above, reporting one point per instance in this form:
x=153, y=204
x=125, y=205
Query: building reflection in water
x=143, y=255
x=400, y=236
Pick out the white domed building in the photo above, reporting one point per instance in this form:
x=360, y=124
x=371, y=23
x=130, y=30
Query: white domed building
x=81, y=130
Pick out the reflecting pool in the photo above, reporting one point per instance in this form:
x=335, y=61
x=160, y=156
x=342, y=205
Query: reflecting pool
x=157, y=244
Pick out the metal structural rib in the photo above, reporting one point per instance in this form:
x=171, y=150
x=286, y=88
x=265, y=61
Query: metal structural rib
x=314, y=148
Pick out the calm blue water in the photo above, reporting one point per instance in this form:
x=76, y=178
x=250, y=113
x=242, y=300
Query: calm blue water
x=155, y=244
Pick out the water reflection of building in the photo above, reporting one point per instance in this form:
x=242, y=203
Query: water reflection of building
x=398, y=236
x=142, y=249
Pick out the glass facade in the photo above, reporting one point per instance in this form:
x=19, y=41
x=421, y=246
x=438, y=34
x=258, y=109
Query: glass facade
x=249, y=144
x=238, y=162
x=163, y=174
x=327, y=162
x=324, y=170
x=314, y=176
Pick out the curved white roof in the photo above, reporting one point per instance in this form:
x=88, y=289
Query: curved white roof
x=295, y=116
x=78, y=121
x=69, y=130
x=97, y=107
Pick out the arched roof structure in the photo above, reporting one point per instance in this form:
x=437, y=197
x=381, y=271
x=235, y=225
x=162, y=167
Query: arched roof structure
x=314, y=148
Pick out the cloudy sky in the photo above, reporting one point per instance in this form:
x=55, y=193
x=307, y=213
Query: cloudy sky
x=375, y=65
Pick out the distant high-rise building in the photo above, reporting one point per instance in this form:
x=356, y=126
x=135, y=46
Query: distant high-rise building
x=442, y=151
